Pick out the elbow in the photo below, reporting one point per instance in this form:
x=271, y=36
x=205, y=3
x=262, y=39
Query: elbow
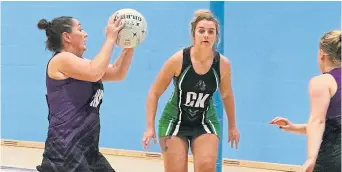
x=227, y=97
x=315, y=124
x=121, y=76
x=118, y=77
x=227, y=94
x=94, y=79
x=113, y=77
x=152, y=95
x=96, y=76
x=316, y=121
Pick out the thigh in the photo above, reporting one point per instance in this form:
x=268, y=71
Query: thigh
x=205, y=150
x=175, y=153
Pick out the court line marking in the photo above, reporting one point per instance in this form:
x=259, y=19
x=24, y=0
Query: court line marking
x=3, y=167
x=155, y=155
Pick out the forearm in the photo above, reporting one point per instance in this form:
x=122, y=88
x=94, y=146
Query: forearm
x=151, y=108
x=315, y=130
x=299, y=128
x=118, y=70
x=102, y=59
x=229, y=106
x=123, y=62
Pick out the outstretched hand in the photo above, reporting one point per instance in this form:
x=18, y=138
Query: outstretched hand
x=282, y=123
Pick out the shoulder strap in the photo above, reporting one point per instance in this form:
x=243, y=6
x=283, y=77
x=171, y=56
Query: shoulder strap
x=47, y=77
x=54, y=54
x=186, y=58
x=216, y=64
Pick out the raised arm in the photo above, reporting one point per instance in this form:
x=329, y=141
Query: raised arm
x=118, y=70
x=83, y=69
x=76, y=67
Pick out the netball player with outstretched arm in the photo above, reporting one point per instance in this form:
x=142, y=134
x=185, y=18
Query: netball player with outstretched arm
x=323, y=129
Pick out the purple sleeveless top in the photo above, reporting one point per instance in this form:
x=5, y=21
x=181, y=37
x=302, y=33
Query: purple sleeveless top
x=74, y=123
x=333, y=116
x=334, y=109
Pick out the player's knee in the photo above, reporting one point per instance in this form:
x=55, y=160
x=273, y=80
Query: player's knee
x=207, y=165
x=181, y=166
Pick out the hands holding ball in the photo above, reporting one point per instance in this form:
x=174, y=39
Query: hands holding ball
x=127, y=27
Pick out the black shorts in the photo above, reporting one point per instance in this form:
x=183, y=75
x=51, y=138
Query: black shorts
x=190, y=133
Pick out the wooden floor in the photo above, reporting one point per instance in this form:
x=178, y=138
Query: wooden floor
x=28, y=158
x=24, y=156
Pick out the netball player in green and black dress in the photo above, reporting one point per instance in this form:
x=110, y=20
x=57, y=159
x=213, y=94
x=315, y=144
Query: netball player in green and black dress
x=190, y=116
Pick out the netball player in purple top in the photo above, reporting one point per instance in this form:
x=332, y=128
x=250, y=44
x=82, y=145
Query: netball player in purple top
x=74, y=95
x=323, y=129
